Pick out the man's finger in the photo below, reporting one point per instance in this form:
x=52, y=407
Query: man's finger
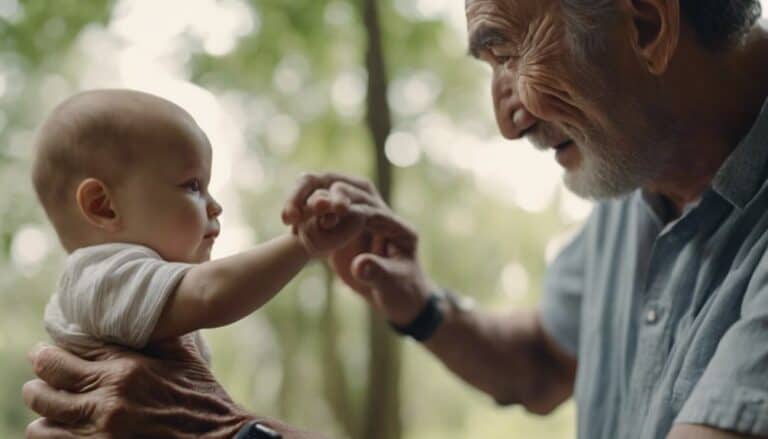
x=42, y=428
x=382, y=222
x=308, y=183
x=374, y=270
x=355, y=194
x=63, y=370
x=318, y=204
x=360, y=183
x=340, y=203
x=56, y=405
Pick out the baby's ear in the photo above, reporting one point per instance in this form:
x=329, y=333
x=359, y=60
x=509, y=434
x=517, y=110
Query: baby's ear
x=97, y=205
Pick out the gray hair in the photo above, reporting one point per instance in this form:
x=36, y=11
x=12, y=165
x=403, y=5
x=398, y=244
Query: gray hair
x=719, y=24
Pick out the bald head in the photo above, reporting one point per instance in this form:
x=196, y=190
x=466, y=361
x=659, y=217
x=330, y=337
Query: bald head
x=99, y=134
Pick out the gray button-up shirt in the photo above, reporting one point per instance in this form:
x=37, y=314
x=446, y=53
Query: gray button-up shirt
x=670, y=321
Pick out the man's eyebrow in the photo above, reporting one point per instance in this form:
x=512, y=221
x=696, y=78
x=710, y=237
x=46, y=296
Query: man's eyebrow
x=484, y=37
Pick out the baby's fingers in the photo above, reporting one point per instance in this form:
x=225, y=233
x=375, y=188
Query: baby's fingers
x=322, y=202
x=329, y=221
x=318, y=204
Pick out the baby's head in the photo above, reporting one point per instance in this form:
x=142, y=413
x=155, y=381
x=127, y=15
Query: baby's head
x=127, y=166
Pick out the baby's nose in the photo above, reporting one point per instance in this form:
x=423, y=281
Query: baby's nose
x=214, y=209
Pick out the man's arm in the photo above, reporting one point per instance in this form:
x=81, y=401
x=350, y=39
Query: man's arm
x=691, y=431
x=220, y=292
x=507, y=356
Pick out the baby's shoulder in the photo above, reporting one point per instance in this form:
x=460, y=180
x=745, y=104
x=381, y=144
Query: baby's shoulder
x=105, y=259
x=112, y=252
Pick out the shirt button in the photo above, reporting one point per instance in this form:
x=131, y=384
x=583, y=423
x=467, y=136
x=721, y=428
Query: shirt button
x=651, y=316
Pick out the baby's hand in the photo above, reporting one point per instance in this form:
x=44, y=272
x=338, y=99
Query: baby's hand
x=331, y=224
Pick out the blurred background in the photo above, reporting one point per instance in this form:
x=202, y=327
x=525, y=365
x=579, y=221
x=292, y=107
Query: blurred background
x=382, y=90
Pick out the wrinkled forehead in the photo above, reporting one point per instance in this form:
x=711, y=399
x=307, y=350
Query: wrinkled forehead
x=499, y=21
x=511, y=12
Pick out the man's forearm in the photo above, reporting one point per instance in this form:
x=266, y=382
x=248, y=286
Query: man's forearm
x=505, y=356
x=223, y=291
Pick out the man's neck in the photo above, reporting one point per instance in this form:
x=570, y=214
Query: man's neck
x=720, y=96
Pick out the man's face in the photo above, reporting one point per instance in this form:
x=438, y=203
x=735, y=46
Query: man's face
x=560, y=96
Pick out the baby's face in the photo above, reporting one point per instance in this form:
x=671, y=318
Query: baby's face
x=164, y=203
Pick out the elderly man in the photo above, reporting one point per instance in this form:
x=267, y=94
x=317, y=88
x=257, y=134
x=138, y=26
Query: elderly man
x=655, y=316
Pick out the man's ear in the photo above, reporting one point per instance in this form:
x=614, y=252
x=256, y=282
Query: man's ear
x=654, y=31
x=97, y=205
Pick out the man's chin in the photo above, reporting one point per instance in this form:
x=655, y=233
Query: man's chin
x=589, y=187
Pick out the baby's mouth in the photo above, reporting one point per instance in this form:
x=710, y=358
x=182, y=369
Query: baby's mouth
x=211, y=235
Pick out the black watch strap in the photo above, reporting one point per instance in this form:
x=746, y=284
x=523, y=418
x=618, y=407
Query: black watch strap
x=426, y=323
x=255, y=430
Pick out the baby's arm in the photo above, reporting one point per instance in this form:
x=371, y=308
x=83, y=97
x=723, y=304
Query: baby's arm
x=220, y=292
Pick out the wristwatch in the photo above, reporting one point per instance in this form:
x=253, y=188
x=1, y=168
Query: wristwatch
x=431, y=316
x=256, y=430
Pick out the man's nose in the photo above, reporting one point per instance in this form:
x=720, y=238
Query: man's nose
x=523, y=121
x=513, y=117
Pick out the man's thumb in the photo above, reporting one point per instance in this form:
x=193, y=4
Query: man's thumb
x=372, y=269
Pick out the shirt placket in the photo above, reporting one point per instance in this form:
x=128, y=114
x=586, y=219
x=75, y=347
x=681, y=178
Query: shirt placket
x=653, y=314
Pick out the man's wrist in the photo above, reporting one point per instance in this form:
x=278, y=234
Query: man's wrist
x=440, y=305
x=229, y=428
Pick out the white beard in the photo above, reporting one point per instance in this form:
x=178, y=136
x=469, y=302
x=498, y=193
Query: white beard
x=611, y=173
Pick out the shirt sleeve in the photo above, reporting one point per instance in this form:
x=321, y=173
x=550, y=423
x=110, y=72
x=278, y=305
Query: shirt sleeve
x=563, y=290
x=119, y=298
x=732, y=393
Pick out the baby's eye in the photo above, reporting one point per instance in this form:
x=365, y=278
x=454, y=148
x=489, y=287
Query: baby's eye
x=192, y=185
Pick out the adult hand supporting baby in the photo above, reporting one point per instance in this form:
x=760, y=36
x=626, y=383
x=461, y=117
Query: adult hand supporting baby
x=381, y=264
x=118, y=393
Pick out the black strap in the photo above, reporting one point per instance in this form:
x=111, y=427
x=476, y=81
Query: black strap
x=255, y=430
x=426, y=323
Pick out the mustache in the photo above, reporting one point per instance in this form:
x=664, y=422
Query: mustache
x=545, y=135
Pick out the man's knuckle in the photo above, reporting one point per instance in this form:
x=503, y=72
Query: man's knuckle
x=33, y=429
x=113, y=412
x=30, y=392
x=46, y=362
x=129, y=373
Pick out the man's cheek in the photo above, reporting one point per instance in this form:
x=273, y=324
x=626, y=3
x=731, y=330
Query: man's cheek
x=546, y=95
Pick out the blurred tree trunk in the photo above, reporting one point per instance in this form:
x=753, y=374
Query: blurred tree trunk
x=336, y=386
x=289, y=323
x=382, y=401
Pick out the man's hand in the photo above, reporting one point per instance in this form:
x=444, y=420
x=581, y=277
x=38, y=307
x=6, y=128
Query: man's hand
x=381, y=263
x=118, y=393
x=332, y=228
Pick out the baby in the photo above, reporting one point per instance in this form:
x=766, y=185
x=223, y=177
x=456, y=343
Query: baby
x=123, y=176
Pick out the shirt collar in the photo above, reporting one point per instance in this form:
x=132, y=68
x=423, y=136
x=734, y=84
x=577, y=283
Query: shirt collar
x=743, y=172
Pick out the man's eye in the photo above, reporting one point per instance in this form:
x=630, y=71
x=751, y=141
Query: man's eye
x=192, y=185
x=501, y=58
